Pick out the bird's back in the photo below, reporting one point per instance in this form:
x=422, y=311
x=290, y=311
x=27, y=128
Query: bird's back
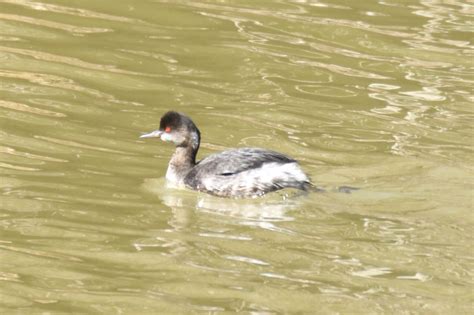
x=246, y=172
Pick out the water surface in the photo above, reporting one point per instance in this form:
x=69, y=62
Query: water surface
x=371, y=94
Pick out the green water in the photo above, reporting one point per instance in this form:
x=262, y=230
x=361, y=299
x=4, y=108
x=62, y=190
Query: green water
x=371, y=94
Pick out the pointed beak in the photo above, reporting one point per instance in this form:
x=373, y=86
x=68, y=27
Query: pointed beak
x=153, y=134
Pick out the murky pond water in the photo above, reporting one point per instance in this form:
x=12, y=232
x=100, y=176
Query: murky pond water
x=371, y=94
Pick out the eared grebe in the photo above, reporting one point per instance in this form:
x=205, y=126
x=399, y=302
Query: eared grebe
x=245, y=172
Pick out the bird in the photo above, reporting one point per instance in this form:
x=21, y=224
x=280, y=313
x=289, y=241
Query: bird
x=234, y=173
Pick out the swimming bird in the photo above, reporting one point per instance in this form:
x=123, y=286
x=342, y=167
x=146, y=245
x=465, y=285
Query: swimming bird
x=238, y=173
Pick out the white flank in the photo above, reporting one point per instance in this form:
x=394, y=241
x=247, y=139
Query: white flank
x=262, y=177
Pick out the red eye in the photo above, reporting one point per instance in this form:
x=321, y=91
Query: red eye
x=167, y=129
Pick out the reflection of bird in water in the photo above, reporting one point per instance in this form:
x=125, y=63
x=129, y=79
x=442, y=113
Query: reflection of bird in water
x=268, y=209
x=244, y=172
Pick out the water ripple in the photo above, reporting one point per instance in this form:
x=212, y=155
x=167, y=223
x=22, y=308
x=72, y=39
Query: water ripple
x=67, y=10
x=76, y=144
x=39, y=55
x=376, y=95
x=29, y=109
x=55, y=25
x=12, y=151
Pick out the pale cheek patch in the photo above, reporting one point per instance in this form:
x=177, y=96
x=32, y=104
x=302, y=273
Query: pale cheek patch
x=172, y=137
x=166, y=137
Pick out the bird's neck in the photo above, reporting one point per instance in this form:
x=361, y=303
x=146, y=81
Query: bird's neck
x=182, y=161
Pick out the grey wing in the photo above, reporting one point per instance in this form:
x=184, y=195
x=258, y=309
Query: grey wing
x=239, y=160
x=235, y=161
